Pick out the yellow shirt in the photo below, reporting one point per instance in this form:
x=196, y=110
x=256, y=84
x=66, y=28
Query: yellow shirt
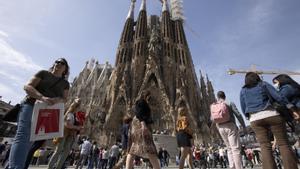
x=37, y=153
x=183, y=124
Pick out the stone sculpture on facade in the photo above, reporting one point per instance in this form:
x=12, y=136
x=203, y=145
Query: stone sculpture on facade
x=154, y=46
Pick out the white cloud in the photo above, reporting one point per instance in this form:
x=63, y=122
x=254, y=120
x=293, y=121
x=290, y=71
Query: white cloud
x=16, y=79
x=247, y=30
x=10, y=94
x=260, y=17
x=12, y=57
x=15, y=70
x=3, y=34
x=261, y=11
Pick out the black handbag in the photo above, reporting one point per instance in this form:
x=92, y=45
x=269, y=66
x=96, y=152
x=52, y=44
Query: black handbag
x=12, y=114
x=285, y=113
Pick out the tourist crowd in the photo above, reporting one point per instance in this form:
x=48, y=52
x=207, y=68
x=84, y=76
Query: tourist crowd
x=269, y=110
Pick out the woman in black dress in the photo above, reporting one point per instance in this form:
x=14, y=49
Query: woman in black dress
x=184, y=138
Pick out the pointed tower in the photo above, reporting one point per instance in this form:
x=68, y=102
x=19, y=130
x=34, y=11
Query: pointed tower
x=118, y=98
x=139, y=49
x=210, y=91
x=203, y=85
x=168, y=52
x=204, y=103
x=185, y=73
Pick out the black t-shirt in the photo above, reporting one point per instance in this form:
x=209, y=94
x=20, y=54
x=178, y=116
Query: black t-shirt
x=50, y=85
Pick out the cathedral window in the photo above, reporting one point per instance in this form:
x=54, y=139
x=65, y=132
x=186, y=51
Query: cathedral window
x=121, y=56
x=135, y=49
x=183, y=57
x=175, y=55
x=139, y=49
x=179, y=56
x=124, y=56
x=168, y=51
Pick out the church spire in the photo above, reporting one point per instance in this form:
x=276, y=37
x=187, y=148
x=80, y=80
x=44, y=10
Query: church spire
x=131, y=10
x=165, y=5
x=210, y=91
x=143, y=5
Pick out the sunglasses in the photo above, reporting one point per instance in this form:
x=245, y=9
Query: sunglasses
x=60, y=62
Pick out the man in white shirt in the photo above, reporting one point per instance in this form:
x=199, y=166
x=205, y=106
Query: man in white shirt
x=85, y=150
x=113, y=155
x=105, y=156
x=222, y=157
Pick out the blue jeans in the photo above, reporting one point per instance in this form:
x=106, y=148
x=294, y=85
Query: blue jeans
x=161, y=160
x=21, y=144
x=93, y=161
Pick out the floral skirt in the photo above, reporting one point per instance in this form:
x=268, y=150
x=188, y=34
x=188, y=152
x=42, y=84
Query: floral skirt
x=141, y=141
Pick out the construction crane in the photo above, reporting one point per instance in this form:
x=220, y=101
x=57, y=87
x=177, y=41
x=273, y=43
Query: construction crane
x=253, y=69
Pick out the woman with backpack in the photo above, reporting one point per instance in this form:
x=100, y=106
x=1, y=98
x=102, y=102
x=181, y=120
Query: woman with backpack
x=224, y=113
x=184, y=138
x=255, y=103
x=290, y=89
x=64, y=144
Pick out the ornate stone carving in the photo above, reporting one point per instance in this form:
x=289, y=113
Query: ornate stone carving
x=154, y=45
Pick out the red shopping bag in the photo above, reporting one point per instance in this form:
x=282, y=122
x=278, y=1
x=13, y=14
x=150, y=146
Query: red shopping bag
x=47, y=121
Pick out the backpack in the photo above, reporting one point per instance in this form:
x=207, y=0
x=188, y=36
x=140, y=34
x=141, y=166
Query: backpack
x=220, y=112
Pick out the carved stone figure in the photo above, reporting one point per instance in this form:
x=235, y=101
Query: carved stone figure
x=154, y=45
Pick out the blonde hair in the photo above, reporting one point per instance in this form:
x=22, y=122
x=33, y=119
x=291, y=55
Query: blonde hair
x=74, y=105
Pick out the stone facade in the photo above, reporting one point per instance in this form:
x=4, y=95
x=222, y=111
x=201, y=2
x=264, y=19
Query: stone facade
x=6, y=129
x=153, y=55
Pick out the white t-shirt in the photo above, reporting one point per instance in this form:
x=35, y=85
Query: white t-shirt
x=105, y=154
x=114, y=151
x=263, y=114
x=221, y=152
x=71, y=118
x=86, y=147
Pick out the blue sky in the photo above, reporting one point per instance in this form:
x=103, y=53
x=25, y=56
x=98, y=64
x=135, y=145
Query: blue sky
x=228, y=34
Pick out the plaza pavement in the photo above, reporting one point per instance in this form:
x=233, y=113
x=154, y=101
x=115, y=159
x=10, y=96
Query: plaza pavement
x=170, y=167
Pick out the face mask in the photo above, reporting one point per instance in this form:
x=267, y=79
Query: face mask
x=276, y=85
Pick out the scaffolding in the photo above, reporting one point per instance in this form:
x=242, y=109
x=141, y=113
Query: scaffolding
x=177, y=10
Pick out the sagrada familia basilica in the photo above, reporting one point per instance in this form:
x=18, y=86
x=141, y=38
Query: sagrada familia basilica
x=152, y=55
